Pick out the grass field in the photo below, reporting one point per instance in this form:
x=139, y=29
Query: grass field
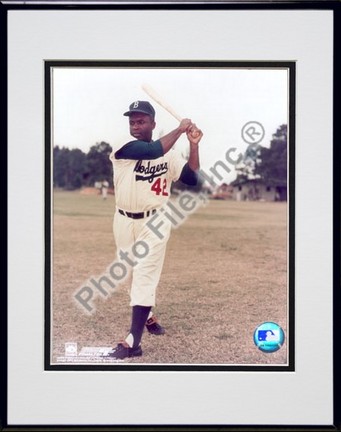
x=225, y=273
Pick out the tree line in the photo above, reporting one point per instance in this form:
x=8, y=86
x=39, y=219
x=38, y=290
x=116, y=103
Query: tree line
x=266, y=164
x=73, y=169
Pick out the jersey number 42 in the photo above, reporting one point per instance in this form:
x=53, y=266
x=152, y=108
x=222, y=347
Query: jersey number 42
x=158, y=189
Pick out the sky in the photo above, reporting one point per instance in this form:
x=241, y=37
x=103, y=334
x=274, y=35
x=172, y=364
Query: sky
x=88, y=105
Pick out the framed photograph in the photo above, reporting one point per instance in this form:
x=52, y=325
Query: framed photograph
x=228, y=187
x=173, y=238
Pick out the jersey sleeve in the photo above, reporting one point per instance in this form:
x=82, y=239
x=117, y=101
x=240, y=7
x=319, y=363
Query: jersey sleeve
x=188, y=176
x=140, y=150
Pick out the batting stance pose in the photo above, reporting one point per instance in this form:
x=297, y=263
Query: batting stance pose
x=143, y=172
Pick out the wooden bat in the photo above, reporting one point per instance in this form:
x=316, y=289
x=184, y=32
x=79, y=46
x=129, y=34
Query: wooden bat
x=158, y=99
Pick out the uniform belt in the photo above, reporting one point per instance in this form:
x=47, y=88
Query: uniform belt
x=139, y=215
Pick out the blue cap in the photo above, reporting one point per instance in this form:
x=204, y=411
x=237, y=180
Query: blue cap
x=140, y=107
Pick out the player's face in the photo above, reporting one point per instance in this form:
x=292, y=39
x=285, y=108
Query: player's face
x=141, y=126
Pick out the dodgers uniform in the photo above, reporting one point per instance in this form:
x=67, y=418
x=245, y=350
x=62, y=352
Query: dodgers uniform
x=143, y=174
x=143, y=187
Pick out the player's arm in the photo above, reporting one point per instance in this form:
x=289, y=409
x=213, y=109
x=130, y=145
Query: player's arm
x=194, y=136
x=193, y=161
x=188, y=176
x=171, y=138
x=140, y=150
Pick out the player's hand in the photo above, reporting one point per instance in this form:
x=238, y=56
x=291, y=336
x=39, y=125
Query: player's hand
x=194, y=134
x=185, y=124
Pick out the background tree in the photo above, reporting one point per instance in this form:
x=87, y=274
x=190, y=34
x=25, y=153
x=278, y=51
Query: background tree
x=98, y=164
x=68, y=168
x=268, y=165
x=73, y=169
x=60, y=161
x=273, y=161
x=76, y=168
x=246, y=168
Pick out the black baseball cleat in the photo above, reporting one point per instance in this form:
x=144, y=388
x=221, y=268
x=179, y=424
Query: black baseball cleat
x=154, y=327
x=123, y=350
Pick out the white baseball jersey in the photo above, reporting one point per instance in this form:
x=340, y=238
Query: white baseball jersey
x=142, y=185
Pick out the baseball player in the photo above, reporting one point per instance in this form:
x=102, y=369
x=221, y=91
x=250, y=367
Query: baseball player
x=104, y=189
x=143, y=173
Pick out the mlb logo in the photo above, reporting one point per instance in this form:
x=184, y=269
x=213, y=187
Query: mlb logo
x=268, y=335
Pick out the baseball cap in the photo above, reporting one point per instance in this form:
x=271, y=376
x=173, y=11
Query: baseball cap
x=141, y=107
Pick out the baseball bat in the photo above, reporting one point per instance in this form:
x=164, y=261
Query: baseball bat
x=158, y=99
